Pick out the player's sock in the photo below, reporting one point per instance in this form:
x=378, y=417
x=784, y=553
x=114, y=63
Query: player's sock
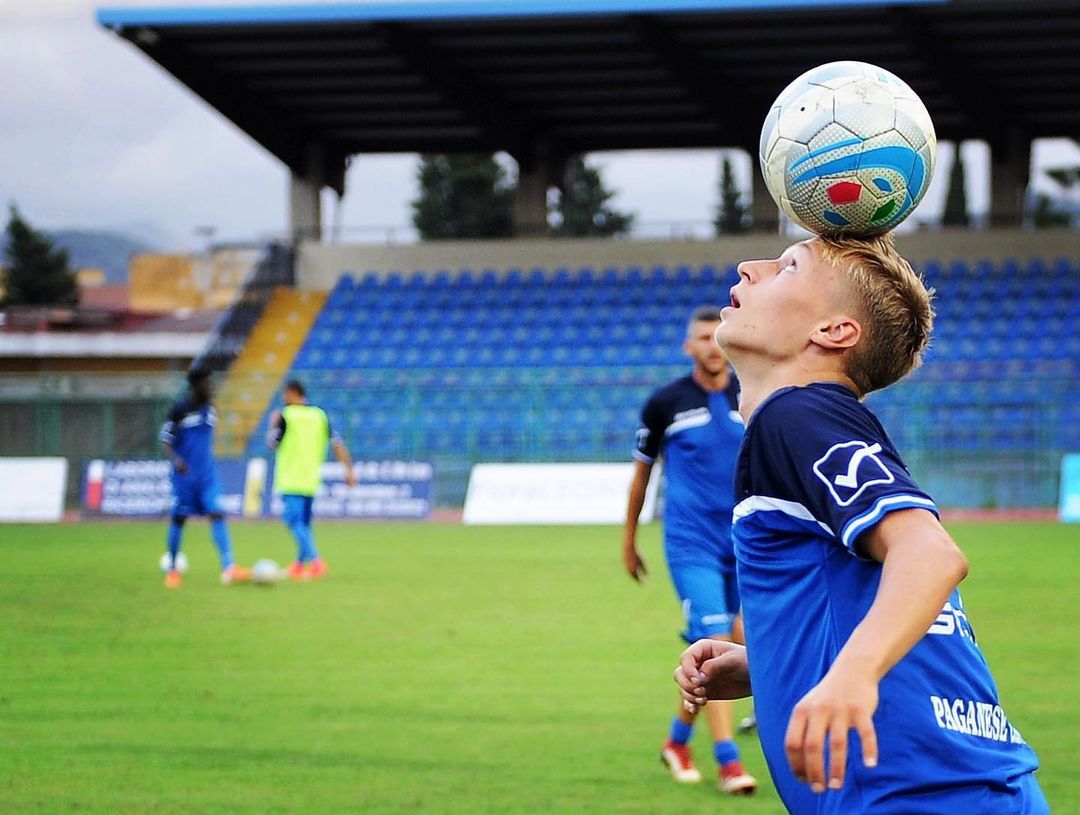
x=220, y=533
x=309, y=544
x=725, y=752
x=297, y=529
x=680, y=731
x=175, y=532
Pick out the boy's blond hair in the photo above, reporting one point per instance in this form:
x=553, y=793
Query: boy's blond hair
x=893, y=308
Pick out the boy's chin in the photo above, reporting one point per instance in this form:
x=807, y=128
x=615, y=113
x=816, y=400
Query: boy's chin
x=735, y=346
x=726, y=337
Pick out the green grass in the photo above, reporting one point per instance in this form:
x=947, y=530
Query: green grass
x=439, y=669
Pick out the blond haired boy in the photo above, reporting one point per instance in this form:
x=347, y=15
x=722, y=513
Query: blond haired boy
x=856, y=637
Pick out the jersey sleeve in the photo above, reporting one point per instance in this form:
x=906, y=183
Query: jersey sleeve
x=834, y=457
x=171, y=428
x=275, y=432
x=650, y=434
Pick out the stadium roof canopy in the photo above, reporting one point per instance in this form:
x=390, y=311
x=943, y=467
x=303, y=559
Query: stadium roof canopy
x=566, y=76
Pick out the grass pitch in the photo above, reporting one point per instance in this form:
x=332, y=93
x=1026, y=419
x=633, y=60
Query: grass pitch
x=439, y=669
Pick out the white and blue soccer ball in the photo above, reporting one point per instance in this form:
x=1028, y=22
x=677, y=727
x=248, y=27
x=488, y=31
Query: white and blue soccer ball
x=266, y=572
x=848, y=149
x=181, y=562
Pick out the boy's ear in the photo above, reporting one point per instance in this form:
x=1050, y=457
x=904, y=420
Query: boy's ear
x=839, y=333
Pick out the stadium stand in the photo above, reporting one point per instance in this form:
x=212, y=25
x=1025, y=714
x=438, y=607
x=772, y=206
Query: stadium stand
x=553, y=364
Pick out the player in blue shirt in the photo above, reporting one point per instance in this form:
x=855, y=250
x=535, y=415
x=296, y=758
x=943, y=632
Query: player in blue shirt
x=694, y=423
x=848, y=580
x=188, y=439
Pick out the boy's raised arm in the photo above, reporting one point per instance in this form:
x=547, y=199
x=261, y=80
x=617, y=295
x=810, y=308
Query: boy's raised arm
x=921, y=567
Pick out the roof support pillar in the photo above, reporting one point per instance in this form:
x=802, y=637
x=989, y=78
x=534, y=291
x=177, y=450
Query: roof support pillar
x=538, y=172
x=530, y=204
x=305, y=202
x=1010, y=170
x=305, y=209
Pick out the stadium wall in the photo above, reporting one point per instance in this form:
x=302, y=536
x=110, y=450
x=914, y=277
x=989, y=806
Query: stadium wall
x=320, y=265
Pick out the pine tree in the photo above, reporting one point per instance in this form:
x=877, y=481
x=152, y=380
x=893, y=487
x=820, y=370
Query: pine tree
x=37, y=273
x=732, y=215
x=583, y=209
x=463, y=196
x=955, y=213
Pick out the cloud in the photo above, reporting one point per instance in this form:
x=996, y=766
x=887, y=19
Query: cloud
x=94, y=134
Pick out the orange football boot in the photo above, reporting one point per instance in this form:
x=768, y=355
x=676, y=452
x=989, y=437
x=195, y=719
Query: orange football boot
x=235, y=574
x=173, y=579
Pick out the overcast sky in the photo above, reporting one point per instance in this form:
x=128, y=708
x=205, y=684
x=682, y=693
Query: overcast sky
x=94, y=135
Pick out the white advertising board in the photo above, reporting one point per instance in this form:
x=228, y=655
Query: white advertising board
x=32, y=488
x=553, y=494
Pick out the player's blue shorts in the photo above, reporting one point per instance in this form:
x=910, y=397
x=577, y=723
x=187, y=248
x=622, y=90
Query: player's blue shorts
x=297, y=509
x=710, y=599
x=707, y=585
x=196, y=496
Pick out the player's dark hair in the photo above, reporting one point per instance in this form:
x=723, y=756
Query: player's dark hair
x=705, y=314
x=196, y=376
x=296, y=386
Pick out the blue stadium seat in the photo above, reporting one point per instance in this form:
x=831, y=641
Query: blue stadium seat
x=558, y=362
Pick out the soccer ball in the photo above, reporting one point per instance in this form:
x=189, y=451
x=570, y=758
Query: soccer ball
x=265, y=572
x=181, y=562
x=848, y=149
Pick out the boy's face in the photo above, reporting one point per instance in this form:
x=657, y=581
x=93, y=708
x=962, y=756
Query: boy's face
x=779, y=306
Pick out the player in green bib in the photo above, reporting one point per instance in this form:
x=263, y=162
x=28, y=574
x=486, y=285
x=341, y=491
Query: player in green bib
x=301, y=434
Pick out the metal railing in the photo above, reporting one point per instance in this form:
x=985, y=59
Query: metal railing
x=984, y=446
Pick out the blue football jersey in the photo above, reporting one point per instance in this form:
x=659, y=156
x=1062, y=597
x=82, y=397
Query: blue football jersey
x=190, y=431
x=816, y=470
x=698, y=433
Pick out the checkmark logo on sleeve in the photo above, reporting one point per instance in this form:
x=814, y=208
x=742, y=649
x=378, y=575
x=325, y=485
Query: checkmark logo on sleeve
x=848, y=468
x=851, y=478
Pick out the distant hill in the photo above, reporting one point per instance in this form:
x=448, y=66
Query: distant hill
x=98, y=249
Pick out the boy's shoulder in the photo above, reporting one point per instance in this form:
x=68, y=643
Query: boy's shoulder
x=794, y=409
x=819, y=431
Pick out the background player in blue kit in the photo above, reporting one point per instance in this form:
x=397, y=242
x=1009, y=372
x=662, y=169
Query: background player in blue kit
x=694, y=423
x=188, y=439
x=847, y=578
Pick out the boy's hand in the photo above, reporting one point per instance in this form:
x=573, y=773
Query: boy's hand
x=180, y=465
x=712, y=669
x=845, y=699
